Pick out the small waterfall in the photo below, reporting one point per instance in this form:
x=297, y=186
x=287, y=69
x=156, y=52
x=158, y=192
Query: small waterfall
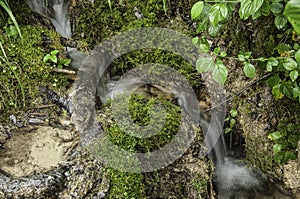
x=214, y=138
x=233, y=178
x=56, y=11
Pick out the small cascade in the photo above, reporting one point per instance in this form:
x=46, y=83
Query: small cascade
x=56, y=11
x=233, y=178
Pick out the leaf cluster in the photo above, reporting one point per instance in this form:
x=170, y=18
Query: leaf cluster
x=211, y=17
x=285, y=141
x=53, y=58
x=284, y=81
x=283, y=64
x=13, y=29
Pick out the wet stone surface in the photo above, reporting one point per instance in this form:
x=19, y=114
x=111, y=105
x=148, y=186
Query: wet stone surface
x=48, y=163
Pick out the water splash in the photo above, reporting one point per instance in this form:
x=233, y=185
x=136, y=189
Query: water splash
x=234, y=180
x=56, y=11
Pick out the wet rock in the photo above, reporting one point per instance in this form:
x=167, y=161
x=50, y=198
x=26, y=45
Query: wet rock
x=189, y=177
x=47, y=163
x=255, y=122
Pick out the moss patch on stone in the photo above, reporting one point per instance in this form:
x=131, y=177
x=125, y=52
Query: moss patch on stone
x=22, y=68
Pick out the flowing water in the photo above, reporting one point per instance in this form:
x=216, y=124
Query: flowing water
x=56, y=11
x=233, y=179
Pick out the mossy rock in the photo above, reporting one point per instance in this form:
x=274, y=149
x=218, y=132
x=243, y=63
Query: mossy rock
x=190, y=176
x=23, y=69
x=258, y=120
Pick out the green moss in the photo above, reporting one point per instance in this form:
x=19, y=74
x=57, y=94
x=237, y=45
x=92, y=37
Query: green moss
x=139, y=112
x=132, y=184
x=169, y=59
x=126, y=185
x=22, y=70
x=93, y=27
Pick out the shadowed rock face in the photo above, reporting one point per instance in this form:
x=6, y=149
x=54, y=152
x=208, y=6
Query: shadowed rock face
x=56, y=11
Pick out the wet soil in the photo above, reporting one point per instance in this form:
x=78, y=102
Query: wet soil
x=37, y=151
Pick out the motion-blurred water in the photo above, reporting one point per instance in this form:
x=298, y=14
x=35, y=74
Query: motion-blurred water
x=56, y=11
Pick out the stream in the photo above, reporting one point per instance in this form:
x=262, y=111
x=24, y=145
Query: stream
x=79, y=174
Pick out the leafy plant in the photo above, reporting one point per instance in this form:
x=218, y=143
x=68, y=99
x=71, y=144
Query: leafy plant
x=231, y=120
x=59, y=63
x=4, y=5
x=285, y=142
x=291, y=11
x=53, y=57
x=283, y=64
x=285, y=82
x=214, y=65
x=220, y=12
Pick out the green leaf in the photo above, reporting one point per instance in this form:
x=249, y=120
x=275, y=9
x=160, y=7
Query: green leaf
x=232, y=122
x=297, y=56
x=256, y=15
x=277, y=92
x=276, y=8
x=249, y=70
x=265, y=8
x=205, y=64
x=223, y=54
x=217, y=50
x=195, y=40
x=293, y=140
x=273, y=81
x=296, y=92
x=227, y=130
x=284, y=47
x=278, y=157
x=224, y=10
x=64, y=62
x=54, y=52
x=247, y=55
x=204, y=47
x=217, y=13
x=289, y=63
x=291, y=11
x=277, y=148
x=197, y=9
x=294, y=75
x=287, y=88
x=269, y=67
x=272, y=62
x=53, y=58
x=203, y=23
x=46, y=58
x=220, y=73
x=11, y=31
x=263, y=59
x=241, y=57
x=249, y=7
x=289, y=155
x=213, y=30
x=275, y=135
x=280, y=21
x=233, y=112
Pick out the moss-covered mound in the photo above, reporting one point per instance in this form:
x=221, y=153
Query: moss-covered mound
x=22, y=67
